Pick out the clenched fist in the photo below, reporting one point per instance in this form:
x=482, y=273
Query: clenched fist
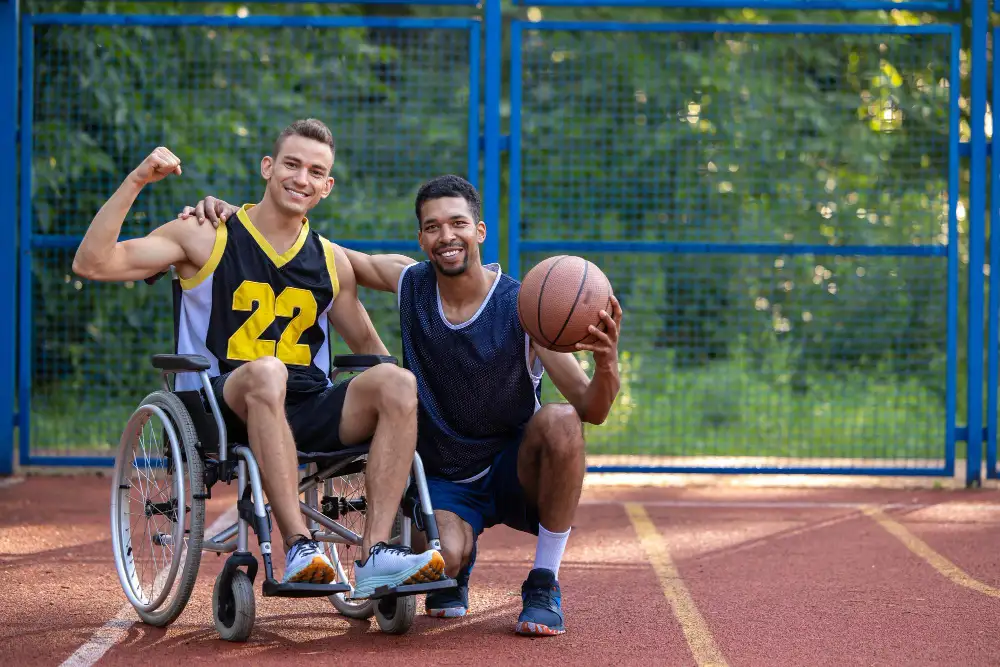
x=157, y=166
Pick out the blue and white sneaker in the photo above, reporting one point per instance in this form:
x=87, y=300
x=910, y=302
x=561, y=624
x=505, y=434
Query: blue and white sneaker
x=391, y=565
x=305, y=563
x=453, y=602
x=542, y=614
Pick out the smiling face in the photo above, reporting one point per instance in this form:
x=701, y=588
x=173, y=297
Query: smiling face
x=298, y=176
x=450, y=234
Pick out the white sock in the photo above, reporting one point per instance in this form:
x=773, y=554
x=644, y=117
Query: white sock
x=549, y=552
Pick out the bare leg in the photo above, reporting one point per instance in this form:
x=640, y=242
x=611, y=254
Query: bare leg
x=551, y=464
x=256, y=392
x=382, y=401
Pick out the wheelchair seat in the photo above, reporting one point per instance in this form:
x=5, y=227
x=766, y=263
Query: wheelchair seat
x=208, y=433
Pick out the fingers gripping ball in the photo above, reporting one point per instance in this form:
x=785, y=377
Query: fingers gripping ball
x=560, y=298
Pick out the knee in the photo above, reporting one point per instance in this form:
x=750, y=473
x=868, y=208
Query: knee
x=266, y=378
x=397, y=389
x=562, y=431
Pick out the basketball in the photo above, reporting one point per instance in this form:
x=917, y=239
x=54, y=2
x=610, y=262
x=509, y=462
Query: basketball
x=560, y=298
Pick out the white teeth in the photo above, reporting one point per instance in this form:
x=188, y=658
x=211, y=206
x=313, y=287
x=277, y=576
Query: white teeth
x=449, y=253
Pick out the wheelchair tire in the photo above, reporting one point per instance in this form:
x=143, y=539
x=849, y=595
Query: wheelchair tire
x=395, y=615
x=363, y=609
x=186, y=518
x=234, y=607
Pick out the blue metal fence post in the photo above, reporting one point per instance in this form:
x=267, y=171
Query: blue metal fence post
x=977, y=242
x=514, y=175
x=992, y=324
x=8, y=247
x=491, y=171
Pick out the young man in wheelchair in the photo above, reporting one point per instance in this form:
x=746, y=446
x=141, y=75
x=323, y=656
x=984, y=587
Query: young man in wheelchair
x=256, y=298
x=493, y=454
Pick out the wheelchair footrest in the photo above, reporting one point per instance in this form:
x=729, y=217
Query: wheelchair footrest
x=273, y=588
x=412, y=589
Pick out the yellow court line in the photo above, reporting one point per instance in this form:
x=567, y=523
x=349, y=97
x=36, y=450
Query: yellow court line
x=922, y=549
x=699, y=637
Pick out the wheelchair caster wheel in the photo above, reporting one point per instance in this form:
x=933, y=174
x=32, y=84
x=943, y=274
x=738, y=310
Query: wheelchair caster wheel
x=234, y=607
x=395, y=614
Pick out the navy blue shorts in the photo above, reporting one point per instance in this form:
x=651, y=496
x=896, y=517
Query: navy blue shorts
x=495, y=498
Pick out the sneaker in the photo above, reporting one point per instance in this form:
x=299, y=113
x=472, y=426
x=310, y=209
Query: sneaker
x=542, y=614
x=395, y=566
x=306, y=563
x=452, y=602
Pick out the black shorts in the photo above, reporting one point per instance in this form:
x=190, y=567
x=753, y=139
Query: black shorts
x=314, y=417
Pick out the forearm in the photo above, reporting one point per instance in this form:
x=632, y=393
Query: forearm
x=600, y=396
x=350, y=319
x=370, y=342
x=100, y=241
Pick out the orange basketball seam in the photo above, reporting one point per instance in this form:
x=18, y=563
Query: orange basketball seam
x=569, y=315
x=541, y=292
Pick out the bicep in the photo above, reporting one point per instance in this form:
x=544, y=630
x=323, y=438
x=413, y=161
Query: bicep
x=140, y=258
x=378, y=272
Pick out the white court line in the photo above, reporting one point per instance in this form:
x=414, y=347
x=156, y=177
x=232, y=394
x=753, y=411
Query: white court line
x=779, y=504
x=10, y=481
x=115, y=630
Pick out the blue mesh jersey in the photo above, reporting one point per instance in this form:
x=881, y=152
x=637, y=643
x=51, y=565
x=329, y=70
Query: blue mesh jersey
x=474, y=385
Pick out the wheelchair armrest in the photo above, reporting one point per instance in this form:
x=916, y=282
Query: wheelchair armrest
x=343, y=361
x=179, y=363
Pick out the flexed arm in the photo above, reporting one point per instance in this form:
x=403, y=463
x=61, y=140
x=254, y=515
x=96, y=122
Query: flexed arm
x=101, y=256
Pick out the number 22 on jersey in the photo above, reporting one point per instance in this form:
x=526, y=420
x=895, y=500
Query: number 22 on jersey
x=247, y=345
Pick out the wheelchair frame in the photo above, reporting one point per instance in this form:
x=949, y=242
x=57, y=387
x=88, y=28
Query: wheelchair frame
x=233, y=597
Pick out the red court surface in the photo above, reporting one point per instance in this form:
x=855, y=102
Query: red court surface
x=714, y=574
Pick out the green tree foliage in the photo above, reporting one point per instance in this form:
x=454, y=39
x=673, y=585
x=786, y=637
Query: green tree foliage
x=709, y=137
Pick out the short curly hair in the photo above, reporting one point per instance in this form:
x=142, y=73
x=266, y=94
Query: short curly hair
x=449, y=185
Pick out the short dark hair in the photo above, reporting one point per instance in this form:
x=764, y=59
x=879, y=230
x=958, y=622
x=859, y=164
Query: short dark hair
x=449, y=186
x=310, y=128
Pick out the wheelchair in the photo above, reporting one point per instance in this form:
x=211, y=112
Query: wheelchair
x=165, y=471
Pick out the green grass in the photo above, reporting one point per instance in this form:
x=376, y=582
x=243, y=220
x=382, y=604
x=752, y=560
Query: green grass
x=729, y=408
x=732, y=409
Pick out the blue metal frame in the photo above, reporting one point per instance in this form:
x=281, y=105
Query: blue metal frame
x=726, y=28
x=8, y=248
x=843, y=5
x=993, y=325
x=251, y=21
x=491, y=168
x=516, y=245
x=30, y=242
x=24, y=341
x=977, y=242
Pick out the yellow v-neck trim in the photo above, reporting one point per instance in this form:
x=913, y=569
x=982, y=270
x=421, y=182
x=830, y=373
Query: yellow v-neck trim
x=283, y=258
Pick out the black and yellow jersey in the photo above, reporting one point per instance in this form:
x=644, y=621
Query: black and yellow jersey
x=249, y=302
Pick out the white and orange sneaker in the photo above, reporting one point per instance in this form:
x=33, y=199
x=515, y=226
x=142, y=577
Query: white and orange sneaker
x=306, y=563
x=390, y=565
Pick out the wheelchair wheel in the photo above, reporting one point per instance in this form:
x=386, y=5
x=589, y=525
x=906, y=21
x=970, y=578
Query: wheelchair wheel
x=234, y=607
x=395, y=615
x=158, y=508
x=350, y=490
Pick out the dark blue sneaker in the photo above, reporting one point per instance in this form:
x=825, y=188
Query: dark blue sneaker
x=453, y=602
x=542, y=614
